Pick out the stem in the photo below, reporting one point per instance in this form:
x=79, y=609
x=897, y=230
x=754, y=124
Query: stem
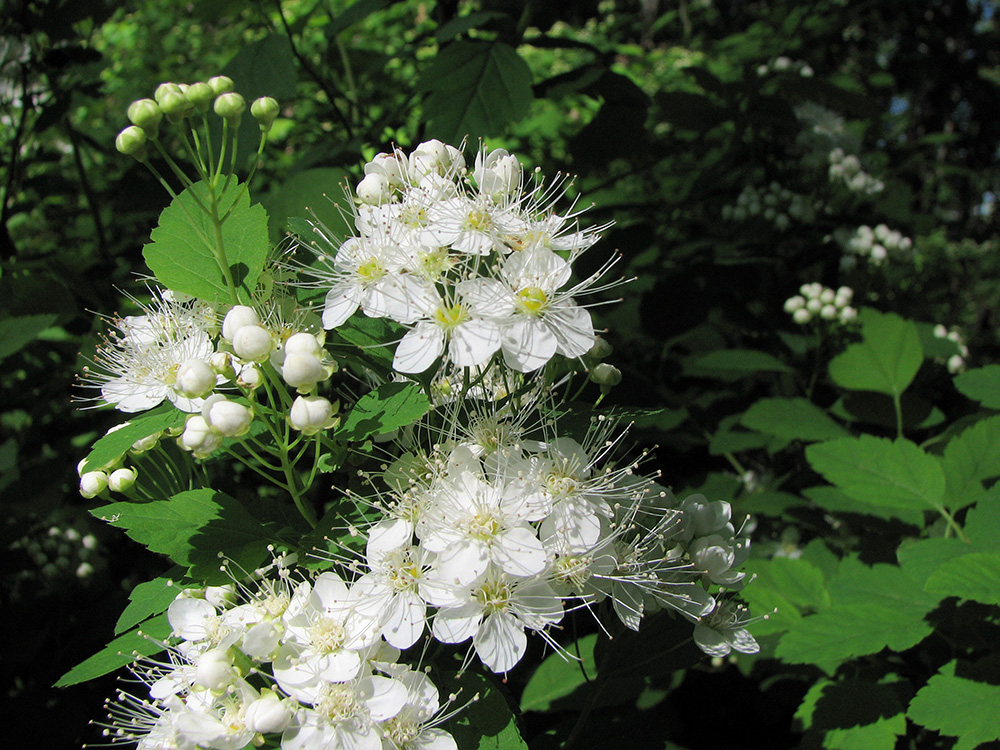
x=220, y=249
x=899, y=415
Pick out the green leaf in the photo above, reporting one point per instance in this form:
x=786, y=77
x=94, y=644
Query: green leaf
x=559, y=675
x=798, y=581
x=793, y=419
x=833, y=499
x=486, y=724
x=475, y=89
x=370, y=335
x=970, y=458
x=973, y=576
x=887, y=358
x=919, y=558
x=852, y=710
x=18, y=332
x=119, y=652
x=387, y=408
x=194, y=528
x=733, y=364
x=182, y=251
x=958, y=707
x=881, y=472
x=981, y=384
x=316, y=194
x=109, y=449
x=147, y=599
x=355, y=12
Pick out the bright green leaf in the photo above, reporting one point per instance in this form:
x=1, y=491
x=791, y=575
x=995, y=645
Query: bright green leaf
x=147, y=599
x=475, y=89
x=792, y=418
x=958, y=707
x=733, y=364
x=182, y=251
x=110, y=448
x=145, y=640
x=797, y=580
x=919, y=558
x=973, y=576
x=881, y=472
x=388, y=407
x=486, y=724
x=559, y=675
x=981, y=384
x=317, y=195
x=853, y=715
x=193, y=529
x=834, y=500
x=887, y=358
x=970, y=458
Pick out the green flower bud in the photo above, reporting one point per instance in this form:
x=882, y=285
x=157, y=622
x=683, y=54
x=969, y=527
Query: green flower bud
x=175, y=106
x=230, y=107
x=606, y=375
x=166, y=88
x=200, y=95
x=600, y=349
x=146, y=114
x=221, y=84
x=132, y=142
x=264, y=111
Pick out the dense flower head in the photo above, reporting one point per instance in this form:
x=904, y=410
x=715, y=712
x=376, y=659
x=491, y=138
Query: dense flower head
x=815, y=301
x=473, y=262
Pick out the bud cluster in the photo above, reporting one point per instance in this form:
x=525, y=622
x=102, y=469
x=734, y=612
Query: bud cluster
x=817, y=301
x=774, y=203
x=877, y=245
x=784, y=64
x=846, y=168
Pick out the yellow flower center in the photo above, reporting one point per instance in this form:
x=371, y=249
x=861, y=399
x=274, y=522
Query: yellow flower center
x=494, y=595
x=532, y=300
x=371, y=270
x=450, y=317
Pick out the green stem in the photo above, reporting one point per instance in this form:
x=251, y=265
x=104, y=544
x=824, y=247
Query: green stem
x=899, y=415
x=220, y=249
x=952, y=525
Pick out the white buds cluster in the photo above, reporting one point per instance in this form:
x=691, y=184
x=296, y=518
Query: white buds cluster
x=219, y=418
x=846, y=168
x=302, y=362
x=877, y=244
x=776, y=204
x=387, y=174
x=312, y=414
x=195, y=378
x=818, y=301
x=956, y=362
x=784, y=64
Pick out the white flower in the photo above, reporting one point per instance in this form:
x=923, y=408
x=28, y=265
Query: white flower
x=724, y=630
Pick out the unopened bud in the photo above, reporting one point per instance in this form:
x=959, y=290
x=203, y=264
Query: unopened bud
x=146, y=114
x=166, y=88
x=93, y=483
x=252, y=343
x=226, y=417
x=230, y=107
x=605, y=375
x=122, y=480
x=310, y=414
x=600, y=349
x=265, y=110
x=268, y=714
x=221, y=84
x=237, y=317
x=200, y=96
x=147, y=443
x=175, y=106
x=302, y=343
x=302, y=371
x=195, y=379
x=222, y=364
x=132, y=142
x=250, y=378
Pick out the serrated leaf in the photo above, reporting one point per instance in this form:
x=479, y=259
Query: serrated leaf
x=182, y=251
x=317, y=195
x=919, y=558
x=982, y=523
x=372, y=337
x=559, y=675
x=848, y=704
x=147, y=599
x=958, y=707
x=18, y=332
x=119, y=652
x=797, y=580
x=973, y=576
x=733, y=364
x=887, y=358
x=194, y=528
x=793, y=419
x=970, y=458
x=387, y=408
x=981, y=384
x=881, y=472
x=475, y=89
x=110, y=448
x=834, y=500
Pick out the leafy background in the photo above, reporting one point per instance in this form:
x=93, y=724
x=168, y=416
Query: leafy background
x=868, y=466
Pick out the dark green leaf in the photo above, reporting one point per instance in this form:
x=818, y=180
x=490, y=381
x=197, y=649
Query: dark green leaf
x=973, y=576
x=733, y=364
x=792, y=418
x=147, y=599
x=119, y=652
x=387, y=408
x=559, y=675
x=110, y=448
x=486, y=724
x=981, y=384
x=970, y=458
x=18, y=332
x=315, y=194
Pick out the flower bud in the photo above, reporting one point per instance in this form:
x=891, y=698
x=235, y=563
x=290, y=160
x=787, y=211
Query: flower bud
x=146, y=114
x=302, y=343
x=373, y=189
x=221, y=84
x=147, y=443
x=93, y=483
x=268, y=714
x=226, y=417
x=250, y=378
x=195, y=379
x=166, y=88
x=230, y=107
x=302, y=371
x=252, y=343
x=200, y=96
x=132, y=142
x=198, y=437
x=600, y=349
x=605, y=375
x=214, y=670
x=237, y=317
x=222, y=364
x=175, y=106
x=122, y=480
x=265, y=110
x=310, y=414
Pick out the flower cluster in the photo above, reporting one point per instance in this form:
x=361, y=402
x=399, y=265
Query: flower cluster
x=776, y=204
x=818, y=301
x=296, y=662
x=471, y=261
x=956, y=362
x=875, y=244
x=496, y=528
x=846, y=168
x=784, y=64
x=58, y=551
